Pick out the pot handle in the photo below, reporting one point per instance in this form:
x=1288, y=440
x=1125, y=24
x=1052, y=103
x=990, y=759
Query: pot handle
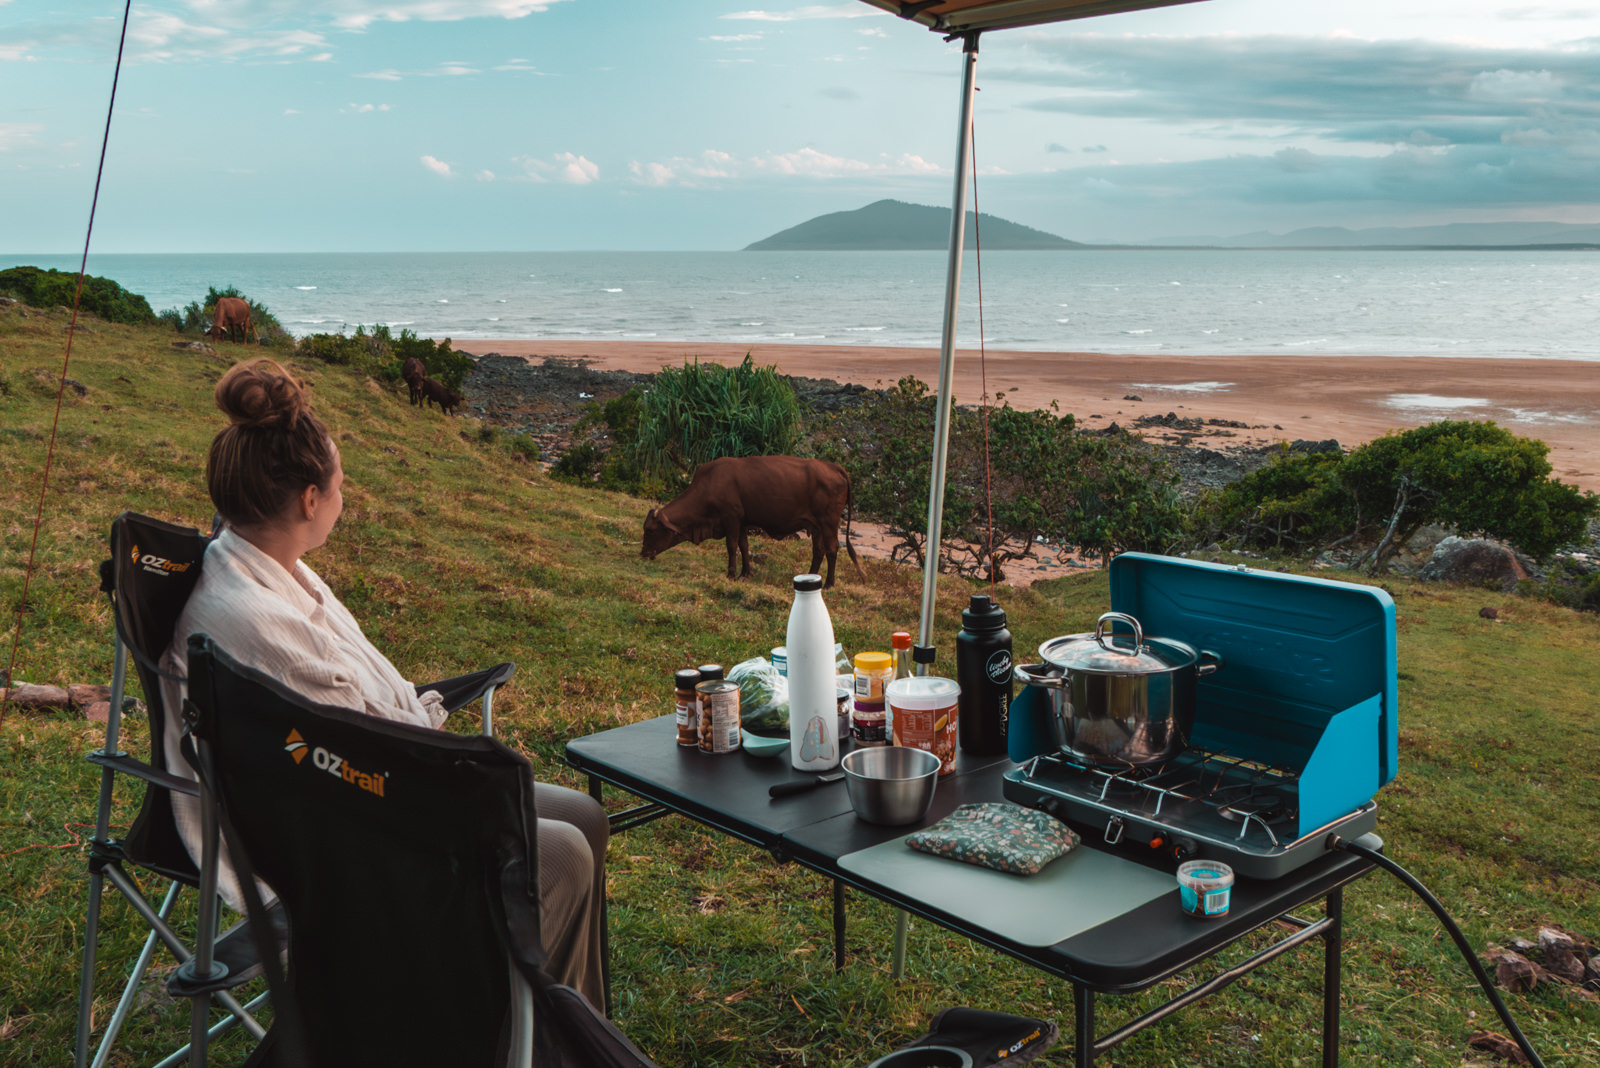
x=1211, y=668
x=1029, y=676
x=1118, y=617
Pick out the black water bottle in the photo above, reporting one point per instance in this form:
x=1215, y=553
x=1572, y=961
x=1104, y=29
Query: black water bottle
x=983, y=669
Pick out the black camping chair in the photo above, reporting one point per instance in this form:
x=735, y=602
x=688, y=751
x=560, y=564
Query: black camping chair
x=152, y=571
x=407, y=862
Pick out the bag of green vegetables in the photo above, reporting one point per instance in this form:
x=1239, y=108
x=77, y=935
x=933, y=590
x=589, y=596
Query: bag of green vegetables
x=763, y=696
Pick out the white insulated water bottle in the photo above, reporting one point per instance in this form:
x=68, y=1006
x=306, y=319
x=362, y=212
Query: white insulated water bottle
x=813, y=687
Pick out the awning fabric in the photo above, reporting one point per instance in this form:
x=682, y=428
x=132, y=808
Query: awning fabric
x=966, y=16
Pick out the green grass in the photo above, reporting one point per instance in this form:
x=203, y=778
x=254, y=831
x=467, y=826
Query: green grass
x=454, y=552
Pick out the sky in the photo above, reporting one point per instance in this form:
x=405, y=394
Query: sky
x=467, y=125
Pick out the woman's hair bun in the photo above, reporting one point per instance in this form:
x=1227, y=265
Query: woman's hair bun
x=262, y=394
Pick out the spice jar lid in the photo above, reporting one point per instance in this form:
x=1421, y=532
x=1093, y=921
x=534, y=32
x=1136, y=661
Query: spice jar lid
x=686, y=678
x=874, y=662
x=710, y=671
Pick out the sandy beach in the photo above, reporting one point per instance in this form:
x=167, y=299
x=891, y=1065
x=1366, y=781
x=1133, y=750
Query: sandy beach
x=1352, y=399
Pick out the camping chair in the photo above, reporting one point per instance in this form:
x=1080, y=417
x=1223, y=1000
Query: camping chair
x=151, y=573
x=407, y=862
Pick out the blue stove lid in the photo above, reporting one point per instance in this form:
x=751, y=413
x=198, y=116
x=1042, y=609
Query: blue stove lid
x=1298, y=654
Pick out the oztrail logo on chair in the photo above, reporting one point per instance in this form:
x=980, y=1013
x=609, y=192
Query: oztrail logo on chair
x=334, y=764
x=160, y=565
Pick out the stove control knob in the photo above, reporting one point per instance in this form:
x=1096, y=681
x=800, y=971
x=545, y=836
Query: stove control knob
x=1157, y=842
x=1183, y=848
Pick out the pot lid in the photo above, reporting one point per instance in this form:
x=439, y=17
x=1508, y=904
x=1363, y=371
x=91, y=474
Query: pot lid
x=1105, y=653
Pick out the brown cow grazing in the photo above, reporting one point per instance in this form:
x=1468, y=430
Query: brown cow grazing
x=778, y=495
x=232, y=314
x=447, y=398
x=413, y=372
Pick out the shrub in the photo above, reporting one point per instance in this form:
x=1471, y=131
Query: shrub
x=577, y=464
x=1044, y=481
x=197, y=316
x=1476, y=478
x=699, y=412
x=440, y=361
x=1293, y=504
x=101, y=296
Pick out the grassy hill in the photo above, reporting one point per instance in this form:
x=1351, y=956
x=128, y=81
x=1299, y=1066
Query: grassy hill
x=893, y=225
x=454, y=551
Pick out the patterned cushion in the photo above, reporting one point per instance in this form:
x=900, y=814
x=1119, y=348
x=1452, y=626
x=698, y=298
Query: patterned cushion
x=997, y=835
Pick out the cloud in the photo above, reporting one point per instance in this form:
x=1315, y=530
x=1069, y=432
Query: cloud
x=359, y=14
x=714, y=168
x=382, y=75
x=814, y=11
x=291, y=111
x=734, y=38
x=575, y=170
x=839, y=92
x=569, y=168
x=17, y=134
x=484, y=176
x=362, y=109
x=437, y=166
x=447, y=69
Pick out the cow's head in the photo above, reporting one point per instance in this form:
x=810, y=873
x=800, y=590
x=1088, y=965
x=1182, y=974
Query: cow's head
x=660, y=534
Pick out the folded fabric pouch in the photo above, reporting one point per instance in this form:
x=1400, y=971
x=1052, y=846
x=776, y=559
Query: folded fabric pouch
x=997, y=835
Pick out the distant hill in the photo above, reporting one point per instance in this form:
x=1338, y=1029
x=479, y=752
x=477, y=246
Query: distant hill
x=895, y=225
x=1451, y=235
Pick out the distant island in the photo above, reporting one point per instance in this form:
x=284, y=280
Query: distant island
x=894, y=225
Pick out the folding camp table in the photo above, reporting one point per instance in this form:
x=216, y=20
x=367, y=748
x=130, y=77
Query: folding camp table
x=1107, y=921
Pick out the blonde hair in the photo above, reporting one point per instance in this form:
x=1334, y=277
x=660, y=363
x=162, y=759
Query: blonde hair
x=272, y=448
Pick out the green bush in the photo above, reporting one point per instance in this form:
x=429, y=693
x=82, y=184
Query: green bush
x=1475, y=478
x=1293, y=504
x=1044, y=481
x=380, y=354
x=699, y=412
x=101, y=296
x=197, y=316
x=578, y=464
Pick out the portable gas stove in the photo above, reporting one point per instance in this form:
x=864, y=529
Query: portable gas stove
x=1197, y=804
x=1290, y=743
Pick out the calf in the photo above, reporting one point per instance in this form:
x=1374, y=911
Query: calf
x=780, y=496
x=413, y=372
x=447, y=398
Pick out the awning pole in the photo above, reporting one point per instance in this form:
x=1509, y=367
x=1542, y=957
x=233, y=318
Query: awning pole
x=947, y=344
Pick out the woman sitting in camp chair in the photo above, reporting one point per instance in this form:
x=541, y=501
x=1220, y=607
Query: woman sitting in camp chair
x=274, y=475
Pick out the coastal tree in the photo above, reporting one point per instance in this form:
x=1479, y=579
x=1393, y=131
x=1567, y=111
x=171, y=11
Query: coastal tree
x=1014, y=480
x=1477, y=478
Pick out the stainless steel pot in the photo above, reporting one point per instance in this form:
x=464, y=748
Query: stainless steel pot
x=1118, y=699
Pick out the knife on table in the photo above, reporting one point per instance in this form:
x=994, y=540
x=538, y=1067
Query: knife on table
x=784, y=789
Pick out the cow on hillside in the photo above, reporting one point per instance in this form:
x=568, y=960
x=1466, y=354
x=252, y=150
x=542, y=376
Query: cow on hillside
x=447, y=398
x=779, y=496
x=231, y=314
x=413, y=372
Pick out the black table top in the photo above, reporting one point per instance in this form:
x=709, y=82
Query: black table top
x=1140, y=947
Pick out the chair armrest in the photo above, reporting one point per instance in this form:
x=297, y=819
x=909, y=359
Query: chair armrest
x=138, y=769
x=464, y=689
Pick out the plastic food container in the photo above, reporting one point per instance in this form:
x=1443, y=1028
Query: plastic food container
x=923, y=711
x=1205, y=887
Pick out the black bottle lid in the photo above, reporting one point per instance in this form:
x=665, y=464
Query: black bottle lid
x=686, y=678
x=710, y=672
x=983, y=614
x=806, y=583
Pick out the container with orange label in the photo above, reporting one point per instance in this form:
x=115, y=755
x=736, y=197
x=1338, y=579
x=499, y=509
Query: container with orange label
x=923, y=711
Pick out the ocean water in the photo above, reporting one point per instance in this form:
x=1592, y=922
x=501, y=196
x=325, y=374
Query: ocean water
x=1188, y=302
